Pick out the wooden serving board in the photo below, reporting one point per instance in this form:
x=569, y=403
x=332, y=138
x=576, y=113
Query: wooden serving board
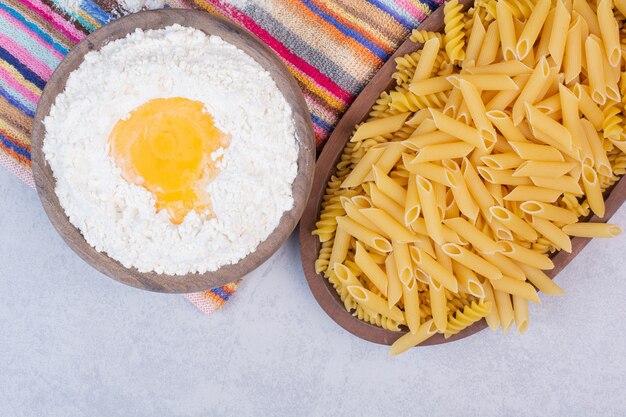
x=211, y=25
x=322, y=290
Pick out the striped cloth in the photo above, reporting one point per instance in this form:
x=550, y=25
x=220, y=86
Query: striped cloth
x=332, y=47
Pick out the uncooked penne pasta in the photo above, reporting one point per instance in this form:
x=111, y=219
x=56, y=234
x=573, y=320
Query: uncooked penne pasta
x=591, y=230
x=472, y=234
x=549, y=212
x=468, y=174
x=370, y=268
x=472, y=261
x=524, y=255
x=394, y=286
x=364, y=235
x=375, y=303
x=434, y=269
x=516, y=287
x=379, y=127
x=520, y=310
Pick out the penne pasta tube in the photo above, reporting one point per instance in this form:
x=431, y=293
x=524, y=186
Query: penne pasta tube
x=345, y=276
x=556, y=131
x=583, y=8
x=505, y=309
x=427, y=126
x=370, y=268
x=366, y=236
x=382, y=201
x=476, y=108
x=558, y=36
x=506, y=30
x=540, y=280
x=394, y=286
x=543, y=44
x=496, y=192
x=412, y=208
x=352, y=211
x=362, y=168
x=505, y=265
x=516, y=287
x=468, y=281
x=422, y=276
x=600, y=160
x=529, y=192
x=379, y=127
x=457, y=129
x=341, y=245
x=402, y=259
x=477, y=188
x=430, y=211
x=388, y=186
x=551, y=104
x=384, y=221
x=504, y=98
x=420, y=141
x=438, y=305
x=549, y=212
x=543, y=169
x=390, y=156
x=485, y=81
x=532, y=89
x=491, y=45
x=592, y=230
x=492, y=319
x=506, y=126
x=554, y=234
x=410, y=340
x=532, y=28
x=535, y=152
x=428, y=170
x=375, y=303
x=474, y=43
x=509, y=68
x=572, y=61
x=524, y=255
x=593, y=191
x=472, y=234
x=461, y=193
x=443, y=151
x=520, y=310
x=515, y=223
x=430, y=86
x=449, y=235
x=507, y=160
x=453, y=103
x=566, y=183
x=411, y=301
x=427, y=60
x=472, y=261
x=418, y=118
x=503, y=176
x=595, y=69
x=609, y=30
x=588, y=107
x=434, y=269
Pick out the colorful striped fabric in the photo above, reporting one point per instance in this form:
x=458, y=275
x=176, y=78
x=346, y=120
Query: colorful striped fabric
x=332, y=47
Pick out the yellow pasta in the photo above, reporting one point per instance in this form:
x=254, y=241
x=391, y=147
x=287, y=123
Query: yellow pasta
x=464, y=178
x=592, y=230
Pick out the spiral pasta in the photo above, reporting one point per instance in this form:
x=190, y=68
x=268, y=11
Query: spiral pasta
x=612, y=123
x=462, y=319
x=421, y=36
x=454, y=38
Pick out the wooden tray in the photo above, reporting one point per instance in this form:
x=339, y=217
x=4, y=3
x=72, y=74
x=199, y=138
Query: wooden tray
x=211, y=25
x=322, y=290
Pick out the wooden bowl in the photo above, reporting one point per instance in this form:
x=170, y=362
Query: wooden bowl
x=211, y=25
x=322, y=290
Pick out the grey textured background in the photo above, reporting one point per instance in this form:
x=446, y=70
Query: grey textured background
x=75, y=343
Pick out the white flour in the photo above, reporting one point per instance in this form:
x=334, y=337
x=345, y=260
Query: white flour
x=250, y=193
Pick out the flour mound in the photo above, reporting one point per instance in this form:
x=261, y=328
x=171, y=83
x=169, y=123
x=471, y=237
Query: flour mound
x=252, y=190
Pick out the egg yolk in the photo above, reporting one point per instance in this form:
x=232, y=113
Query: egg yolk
x=166, y=146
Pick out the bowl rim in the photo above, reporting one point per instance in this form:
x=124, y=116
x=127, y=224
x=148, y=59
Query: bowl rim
x=211, y=25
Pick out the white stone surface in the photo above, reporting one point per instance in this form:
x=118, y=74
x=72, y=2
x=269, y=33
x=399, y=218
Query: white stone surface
x=75, y=343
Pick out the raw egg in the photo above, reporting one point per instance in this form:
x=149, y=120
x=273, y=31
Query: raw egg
x=168, y=146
